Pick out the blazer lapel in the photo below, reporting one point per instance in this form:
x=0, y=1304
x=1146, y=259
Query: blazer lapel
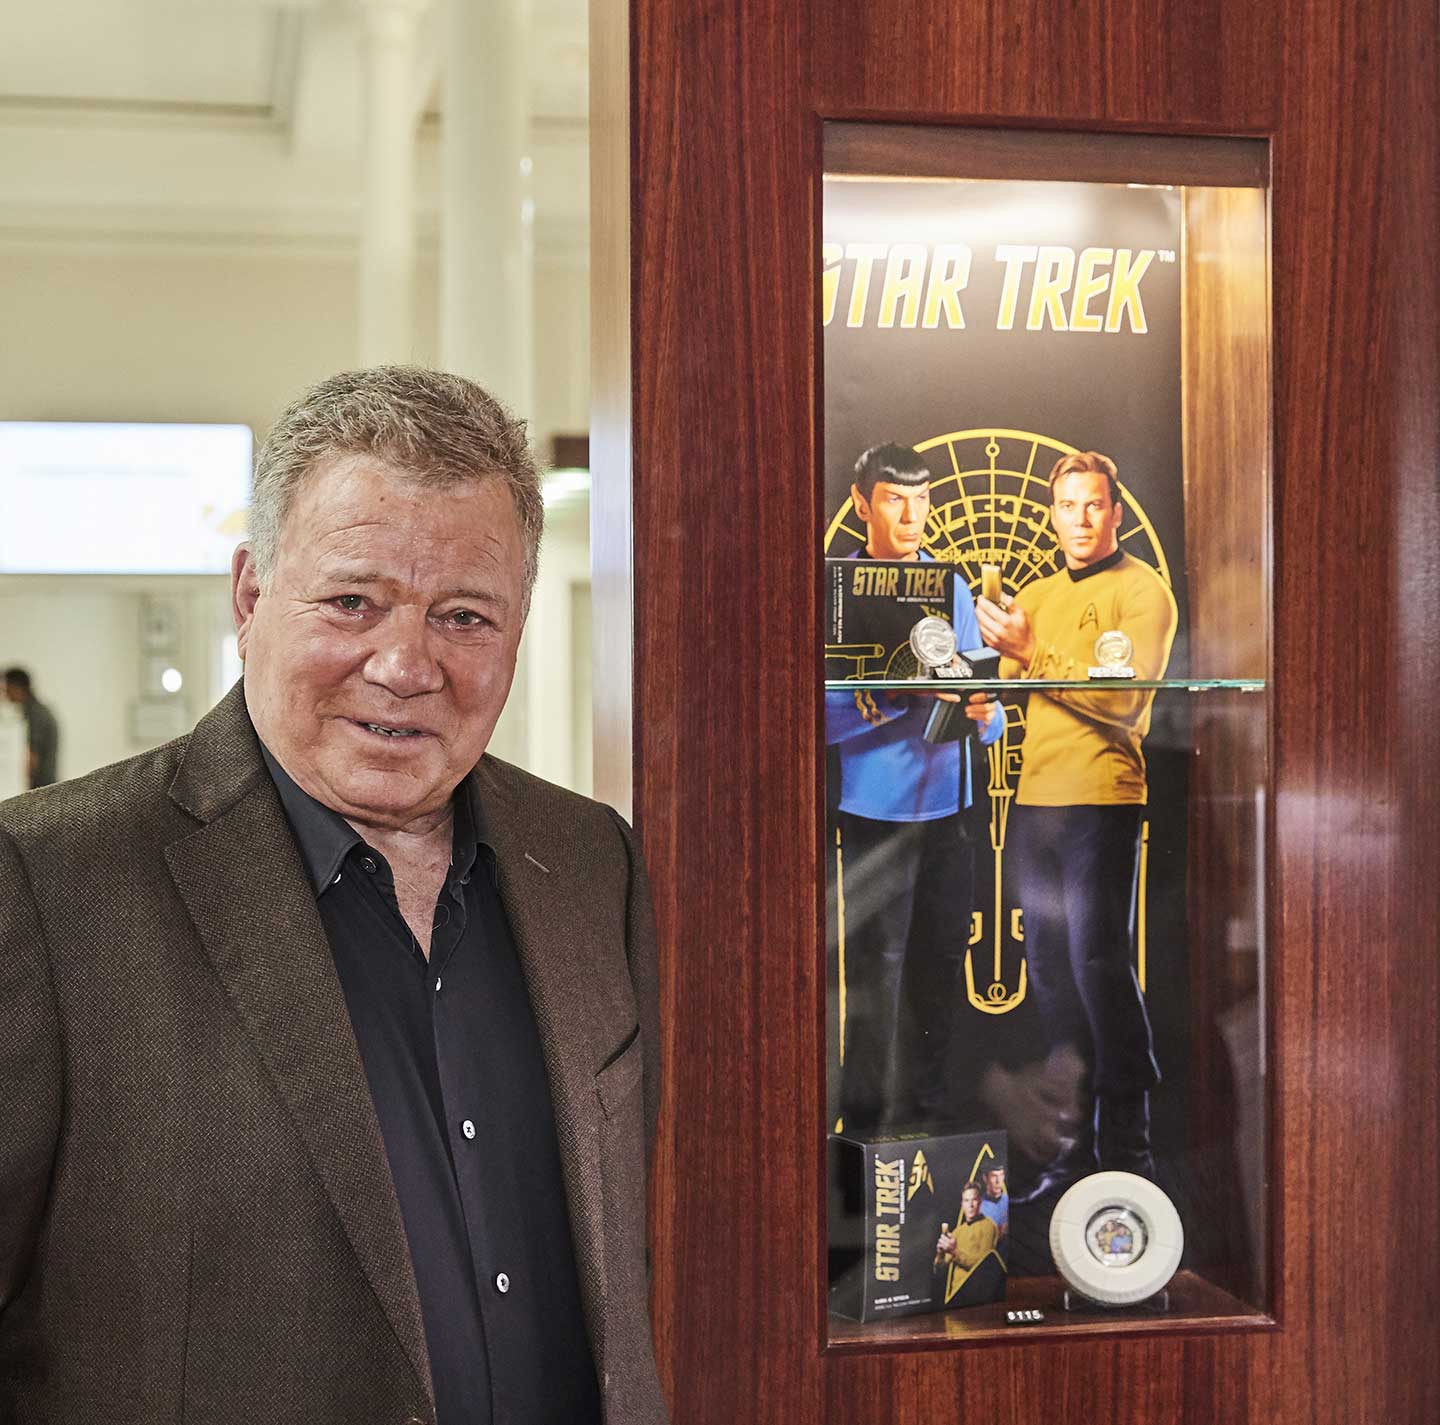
x=243, y=883
x=532, y=878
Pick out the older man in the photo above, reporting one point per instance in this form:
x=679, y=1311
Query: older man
x=328, y=1044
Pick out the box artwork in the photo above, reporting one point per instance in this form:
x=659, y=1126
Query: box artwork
x=872, y=608
x=917, y=1223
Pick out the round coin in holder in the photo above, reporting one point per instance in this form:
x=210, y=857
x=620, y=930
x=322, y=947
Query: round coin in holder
x=1116, y=1238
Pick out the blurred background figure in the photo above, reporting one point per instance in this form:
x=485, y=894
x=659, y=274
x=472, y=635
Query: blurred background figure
x=42, y=731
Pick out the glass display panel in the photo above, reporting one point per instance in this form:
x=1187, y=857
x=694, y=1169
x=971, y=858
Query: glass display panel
x=1046, y=601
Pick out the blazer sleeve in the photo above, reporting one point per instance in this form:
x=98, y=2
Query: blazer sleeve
x=31, y=1070
x=640, y=952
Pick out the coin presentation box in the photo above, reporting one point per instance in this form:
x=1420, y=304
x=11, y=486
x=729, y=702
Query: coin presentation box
x=871, y=605
x=890, y=1200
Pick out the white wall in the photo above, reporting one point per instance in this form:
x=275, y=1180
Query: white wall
x=539, y=728
x=136, y=335
x=80, y=639
x=174, y=336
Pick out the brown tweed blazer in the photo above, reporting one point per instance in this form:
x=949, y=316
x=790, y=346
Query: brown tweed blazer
x=197, y=1221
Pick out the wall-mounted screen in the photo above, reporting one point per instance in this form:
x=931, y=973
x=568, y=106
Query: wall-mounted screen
x=90, y=497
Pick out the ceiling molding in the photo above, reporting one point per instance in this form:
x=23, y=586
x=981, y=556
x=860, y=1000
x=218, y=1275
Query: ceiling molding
x=108, y=231
x=41, y=111
x=100, y=229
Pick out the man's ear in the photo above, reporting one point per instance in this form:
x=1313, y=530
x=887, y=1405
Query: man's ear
x=862, y=505
x=244, y=593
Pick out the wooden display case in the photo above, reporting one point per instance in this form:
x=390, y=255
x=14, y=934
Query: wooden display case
x=708, y=132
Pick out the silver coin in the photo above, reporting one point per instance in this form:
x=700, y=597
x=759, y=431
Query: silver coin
x=1113, y=649
x=933, y=642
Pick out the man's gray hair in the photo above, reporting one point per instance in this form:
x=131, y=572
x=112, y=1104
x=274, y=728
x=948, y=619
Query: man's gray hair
x=430, y=426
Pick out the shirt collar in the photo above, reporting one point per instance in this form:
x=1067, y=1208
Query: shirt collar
x=325, y=838
x=1098, y=567
x=863, y=553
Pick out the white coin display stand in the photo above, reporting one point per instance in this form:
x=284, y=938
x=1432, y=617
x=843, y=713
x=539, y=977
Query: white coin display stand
x=1116, y=1239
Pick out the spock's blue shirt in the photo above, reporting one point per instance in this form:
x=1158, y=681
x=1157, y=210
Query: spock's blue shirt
x=996, y=1209
x=888, y=772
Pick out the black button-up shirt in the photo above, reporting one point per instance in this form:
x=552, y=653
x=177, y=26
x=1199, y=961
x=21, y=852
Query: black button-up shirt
x=455, y=1069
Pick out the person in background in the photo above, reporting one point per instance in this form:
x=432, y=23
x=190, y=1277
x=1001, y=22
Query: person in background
x=42, y=730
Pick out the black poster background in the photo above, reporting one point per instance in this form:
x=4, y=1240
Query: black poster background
x=1118, y=392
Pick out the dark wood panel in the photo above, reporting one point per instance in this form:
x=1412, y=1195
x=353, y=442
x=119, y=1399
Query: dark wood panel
x=1354, y=836
x=726, y=696
x=724, y=155
x=1150, y=63
x=936, y=151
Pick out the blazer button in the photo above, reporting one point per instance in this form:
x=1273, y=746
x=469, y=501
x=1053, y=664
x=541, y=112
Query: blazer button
x=502, y=1283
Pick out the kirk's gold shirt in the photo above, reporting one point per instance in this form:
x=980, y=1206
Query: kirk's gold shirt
x=1082, y=745
x=974, y=1241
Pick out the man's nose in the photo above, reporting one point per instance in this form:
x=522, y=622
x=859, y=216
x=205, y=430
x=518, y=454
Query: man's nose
x=403, y=661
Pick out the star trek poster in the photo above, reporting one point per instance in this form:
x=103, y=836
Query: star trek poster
x=993, y=328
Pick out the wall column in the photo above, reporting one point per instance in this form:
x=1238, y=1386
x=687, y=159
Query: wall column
x=487, y=261
x=387, y=233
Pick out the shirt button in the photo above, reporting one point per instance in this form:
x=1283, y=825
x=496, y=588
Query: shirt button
x=368, y=862
x=502, y=1283
x=468, y=1128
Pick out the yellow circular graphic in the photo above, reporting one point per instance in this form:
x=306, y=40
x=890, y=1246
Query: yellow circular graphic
x=994, y=508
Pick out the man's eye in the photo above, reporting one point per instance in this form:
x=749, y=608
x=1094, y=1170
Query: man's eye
x=466, y=618
x=351, y=603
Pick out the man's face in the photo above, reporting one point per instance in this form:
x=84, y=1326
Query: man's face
x=895, y=515
x=378, y=660
x=970, y=1204
x=1086, y=519
x=995, y=1183
x=13, y=693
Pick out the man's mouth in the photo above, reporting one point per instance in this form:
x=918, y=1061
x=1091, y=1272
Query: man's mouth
x=385, y=730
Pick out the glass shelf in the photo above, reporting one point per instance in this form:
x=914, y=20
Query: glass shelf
x=1025, y=685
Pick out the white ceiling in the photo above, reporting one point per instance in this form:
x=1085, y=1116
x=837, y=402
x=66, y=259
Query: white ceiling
x=238, y=122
